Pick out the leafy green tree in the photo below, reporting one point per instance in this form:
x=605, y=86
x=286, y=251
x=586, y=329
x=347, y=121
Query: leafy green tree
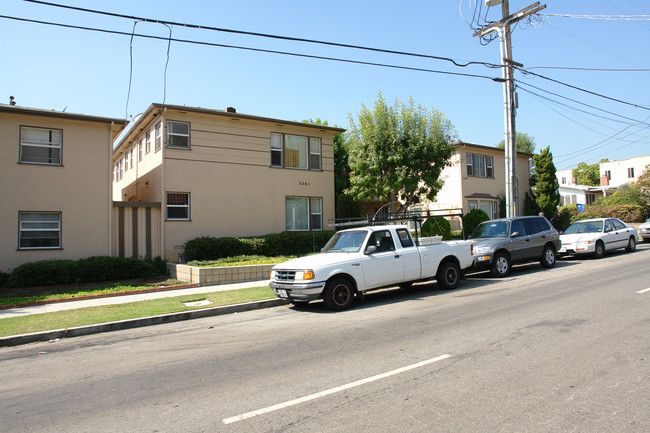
x=544, y=186
x=524, y=142
x=643, y=185
x=398, y=152
x=588, y=174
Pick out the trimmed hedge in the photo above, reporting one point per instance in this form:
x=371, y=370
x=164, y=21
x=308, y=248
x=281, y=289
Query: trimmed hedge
x=89, y=270
x=437, y=226
x=277, y=244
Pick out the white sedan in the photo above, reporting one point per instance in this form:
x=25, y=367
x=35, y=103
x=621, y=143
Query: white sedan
x=595, y=236
x=644, y=230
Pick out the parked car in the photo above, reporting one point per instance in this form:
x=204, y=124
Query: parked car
x=596, y=236
x=644, y=231
x=500, y=243
x=357, y=260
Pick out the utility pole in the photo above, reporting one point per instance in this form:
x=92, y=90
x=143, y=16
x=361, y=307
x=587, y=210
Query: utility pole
x=503, y=28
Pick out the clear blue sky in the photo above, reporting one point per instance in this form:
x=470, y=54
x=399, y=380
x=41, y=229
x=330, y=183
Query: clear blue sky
x=88, y=72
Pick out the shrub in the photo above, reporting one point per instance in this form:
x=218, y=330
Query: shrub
x=472, y=219
x=89, y=270
x=437, y=226
x=3, y=279
x=276, y=244
x=625, y=212
x=566, y=216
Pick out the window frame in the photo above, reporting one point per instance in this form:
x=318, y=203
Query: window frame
x=630, y=172
x=310, y=152
x=177, y=206
x=478, y=165
x=158, y=136
x=140, y=149
x=310, y=214
x=22, y=145
x=169, y=133
x=58, y=230
x=147, y=142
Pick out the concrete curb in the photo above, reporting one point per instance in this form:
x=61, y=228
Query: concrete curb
x=16, y=340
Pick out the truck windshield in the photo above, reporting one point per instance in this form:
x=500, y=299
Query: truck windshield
x=348, y=242
x=491, y=229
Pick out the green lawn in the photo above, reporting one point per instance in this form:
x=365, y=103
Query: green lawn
x=110, y=313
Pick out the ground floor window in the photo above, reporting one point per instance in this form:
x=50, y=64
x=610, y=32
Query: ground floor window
x=304, y=213
x=490, y=207
x=39, y=230
x=178, y=206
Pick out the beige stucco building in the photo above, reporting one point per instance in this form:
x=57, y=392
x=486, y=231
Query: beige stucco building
x=56, y=171
x=477, y=177
x=205, y=172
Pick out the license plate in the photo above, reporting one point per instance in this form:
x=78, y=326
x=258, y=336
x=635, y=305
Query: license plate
x=282, y=293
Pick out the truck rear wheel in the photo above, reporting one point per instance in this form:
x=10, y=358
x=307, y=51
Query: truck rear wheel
x=448, y=275
x=338, y=294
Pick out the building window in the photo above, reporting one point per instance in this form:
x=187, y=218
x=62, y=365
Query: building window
x=40, y=145
x=590, y=198
x=480, y=165
x=630, y=172
x=158, y=136
x=178, y=134
x=490, y=207
x=564, y=181
x=608, y=174
x=140, y=150
x=39, y=230
x=295, y=151
x=131, y=158
x=304, y=213
x=147, y=146
x=178, y=206
x=121, y=165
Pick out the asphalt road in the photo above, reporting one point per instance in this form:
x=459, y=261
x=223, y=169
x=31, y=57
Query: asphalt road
x=560, y=350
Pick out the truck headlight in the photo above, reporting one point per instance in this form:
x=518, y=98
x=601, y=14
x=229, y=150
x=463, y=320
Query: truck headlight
x=305, y=275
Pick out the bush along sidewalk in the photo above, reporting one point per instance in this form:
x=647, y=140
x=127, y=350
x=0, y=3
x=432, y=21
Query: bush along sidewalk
x=88, y=270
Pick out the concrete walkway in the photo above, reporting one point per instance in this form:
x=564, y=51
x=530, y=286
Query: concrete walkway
x=70, y=305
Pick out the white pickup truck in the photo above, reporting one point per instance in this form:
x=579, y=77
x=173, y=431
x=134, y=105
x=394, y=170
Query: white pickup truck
x=357, y=260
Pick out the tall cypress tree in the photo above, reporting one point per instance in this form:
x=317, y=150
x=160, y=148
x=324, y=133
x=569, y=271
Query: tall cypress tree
x=544, y=186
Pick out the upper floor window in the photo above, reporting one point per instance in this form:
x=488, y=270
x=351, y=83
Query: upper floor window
x=178, y=134
x=608, y=174
x=630, y=172
x=140, y=150
x=158, y=135
x=295, y=151
x=147, y=145
x=40, y=145
x=39, y=230
x=480, y=165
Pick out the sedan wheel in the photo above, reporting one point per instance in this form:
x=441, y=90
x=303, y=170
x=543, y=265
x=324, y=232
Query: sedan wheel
x=631, y=245
x=600, y=249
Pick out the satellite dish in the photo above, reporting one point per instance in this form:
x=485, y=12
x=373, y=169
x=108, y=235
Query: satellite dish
x=490, y=3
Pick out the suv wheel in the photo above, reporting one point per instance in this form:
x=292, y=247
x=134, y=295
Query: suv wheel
x=500, y=265
x=548, y=257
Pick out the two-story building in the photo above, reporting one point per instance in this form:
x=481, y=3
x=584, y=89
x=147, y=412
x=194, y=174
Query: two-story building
x=184, y=172
x=476, y=179
x=56, y=171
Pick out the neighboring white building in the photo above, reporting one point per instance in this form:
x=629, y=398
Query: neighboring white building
x=613, y=175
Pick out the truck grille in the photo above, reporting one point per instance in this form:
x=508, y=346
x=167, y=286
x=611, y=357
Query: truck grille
x=285, y=275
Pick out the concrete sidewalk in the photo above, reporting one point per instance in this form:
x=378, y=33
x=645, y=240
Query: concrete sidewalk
x=71, y=305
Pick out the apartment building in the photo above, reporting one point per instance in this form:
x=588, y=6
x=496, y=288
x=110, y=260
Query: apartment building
x=56, y=169
x=203, y=172
x=477, y=177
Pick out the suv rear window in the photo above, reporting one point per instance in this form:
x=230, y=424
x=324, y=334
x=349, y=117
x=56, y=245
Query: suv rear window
x=535, y=225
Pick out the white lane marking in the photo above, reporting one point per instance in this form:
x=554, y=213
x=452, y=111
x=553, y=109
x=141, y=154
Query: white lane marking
x=644, y=290
x=331, y=390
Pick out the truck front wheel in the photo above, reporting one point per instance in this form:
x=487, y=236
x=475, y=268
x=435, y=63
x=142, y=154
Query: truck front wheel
x=448, y=275
x=338, y=294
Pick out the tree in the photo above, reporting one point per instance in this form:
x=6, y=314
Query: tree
x=524, y=142
x=398, y=152
x=643, y=185
x=544, y=187
x=588, y=174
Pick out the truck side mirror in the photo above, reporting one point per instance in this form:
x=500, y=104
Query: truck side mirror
x=370, y=249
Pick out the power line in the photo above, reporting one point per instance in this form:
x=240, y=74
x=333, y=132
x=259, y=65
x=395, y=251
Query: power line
x=260, y=50
x=564, y=68
x=266, y=35
x=603, y=17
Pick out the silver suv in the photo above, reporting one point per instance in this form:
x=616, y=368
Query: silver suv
x=498, y=244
